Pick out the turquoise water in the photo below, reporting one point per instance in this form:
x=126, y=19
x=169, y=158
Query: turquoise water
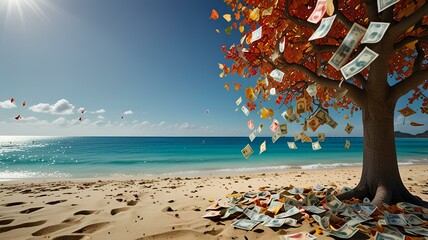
x=87, y=157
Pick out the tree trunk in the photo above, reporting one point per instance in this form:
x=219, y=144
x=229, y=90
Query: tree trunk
x=380, y=180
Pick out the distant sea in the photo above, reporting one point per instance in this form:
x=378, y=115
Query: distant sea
x=95, y=157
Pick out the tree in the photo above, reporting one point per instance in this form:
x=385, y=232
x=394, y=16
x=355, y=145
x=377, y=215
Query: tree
x=400, y=67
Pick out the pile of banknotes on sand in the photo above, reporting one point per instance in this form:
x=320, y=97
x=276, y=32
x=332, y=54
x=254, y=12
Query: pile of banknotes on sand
x=289, y=207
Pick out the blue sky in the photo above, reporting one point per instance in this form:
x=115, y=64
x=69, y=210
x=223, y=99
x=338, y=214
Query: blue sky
x=155, y=59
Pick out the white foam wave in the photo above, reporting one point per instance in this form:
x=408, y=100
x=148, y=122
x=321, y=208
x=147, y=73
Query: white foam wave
x=14, y=175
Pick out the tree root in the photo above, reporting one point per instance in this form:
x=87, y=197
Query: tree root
x=358, y=192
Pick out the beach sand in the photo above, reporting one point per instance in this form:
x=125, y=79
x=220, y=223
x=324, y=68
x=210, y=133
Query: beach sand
x=157, y=208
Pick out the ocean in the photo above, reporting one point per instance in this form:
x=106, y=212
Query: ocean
x=96, y=157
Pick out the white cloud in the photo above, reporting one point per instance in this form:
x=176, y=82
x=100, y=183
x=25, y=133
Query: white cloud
x=129, y=112
x=62, y=107
x=100, y=117
x=7, y=104
x=81, y=109
x=99, y=111
x=60, y=121
x=28, y=119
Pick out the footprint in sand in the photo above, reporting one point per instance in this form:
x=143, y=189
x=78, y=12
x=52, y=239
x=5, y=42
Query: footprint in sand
x=132, y=202
x=23, y=225
x=30, y=210
x=6, y=221
x=92, y=228
x=72, y=237
x=118, y=210
x=56, y=202
x=86, y=212
x=13, y=204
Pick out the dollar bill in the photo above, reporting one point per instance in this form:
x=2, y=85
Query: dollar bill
x=306, y=139
x=256, y=34
x=333, y=124
x=262, y=147
x=272, y=91
x=321, y=137
x=314, y=123
x=245, y=224
x=318, y=12
x=260, y=217
x=295, y=191
x=344, y=232
x=347, y=144
x=250, y=213
x=277, y=75
x=245, y=110
x=365, y=209
x=357, y=219
x=252, y=136
x=312, y=89
x=230, y=211
x=301, y=105
x=298, y=236
x=291, y=145
x=333, y=202
x=274, y=222
x=283, y=128
x=417, y=230
x=250, y=124
x=316, y=146
x=276, y=136
x=274, y=126
x=313, y=209
x=348, y=45
x=364, y=59
x=282, y=44
x=275, y=206
x=247, y=151
x=386, y=236
x=413, y=220
x=212, y=214
x=349, y=128
x=375, y=32
x=259, y=129
x=323, y=29
x=239, y=101
x=290, y=212
x=384, y=4
x=395, y=219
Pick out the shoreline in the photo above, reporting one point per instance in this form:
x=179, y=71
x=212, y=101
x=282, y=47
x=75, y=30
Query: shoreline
x=202, y=173
x=156, y=208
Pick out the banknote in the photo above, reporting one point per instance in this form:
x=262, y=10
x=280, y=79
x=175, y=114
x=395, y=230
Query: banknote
x=313, y=209
x=321, y=137
x=349, y=128
x=365, y=209
x=212, y=214
x=260, y=217
x=318, y=12
x=347, y=144
x=276, y=136
x=290, y=212
x=259, y=129
x=312, y=89
x=301, y=105
x=291, y=145
x=298, y=236
x=274, y=222
x=252, y=136
x=323, y=29
x=375, y=32
x=274, y=126
x=357, y=219
x=250, y=124
x=348, y=45
x=256, y=34
x=232, y=210
x=384, y=4
x=239, y=101
x=296, y=191
x=395, y=219
x=344, y=232
x=417, y=230
x=282, y=44
x=250, y=213
x=283, y=128
x=277, y=75
x=386, y=236
x=245, y=110
x=364, y=59
x=314, y=123
x=245, y=224
x=413, y=219
x=316, y=146
x=262, y=147
x=247, y=151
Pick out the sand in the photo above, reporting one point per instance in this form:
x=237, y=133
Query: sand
x=157, y=208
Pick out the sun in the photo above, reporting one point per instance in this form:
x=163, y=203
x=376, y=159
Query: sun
x=23, y=9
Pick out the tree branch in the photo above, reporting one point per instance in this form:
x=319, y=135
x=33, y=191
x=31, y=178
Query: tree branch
x=411, y=20
x=372, y=11
x=404, y=86
x=323, y=48
x=407, y=40
x=361, y=79
x=297, y=20
x=345, y=21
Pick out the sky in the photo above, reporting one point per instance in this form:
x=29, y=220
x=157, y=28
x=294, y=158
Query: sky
x=136, y=67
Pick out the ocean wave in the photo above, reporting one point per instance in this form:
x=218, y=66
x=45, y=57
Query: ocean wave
x=14, y=175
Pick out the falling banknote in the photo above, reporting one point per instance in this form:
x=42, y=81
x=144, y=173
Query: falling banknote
x=345, y=49
x=347, y=144
x=256, y=34
x=277, y=75
x=239, y=101
x=375, y=32
x=357, y=65
x=283, y=128
x=384, y=4
x=262, y=147
x=276, y=137
x=321, y=137
x=292, y=145
x=323, y=29
x=245, y=110
x=316, y=146
x=252, y=136
x=247, y=151
x=318, y=12
x=250, y=124
x=274, y=126
x=312, y=89
x=349, y=128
